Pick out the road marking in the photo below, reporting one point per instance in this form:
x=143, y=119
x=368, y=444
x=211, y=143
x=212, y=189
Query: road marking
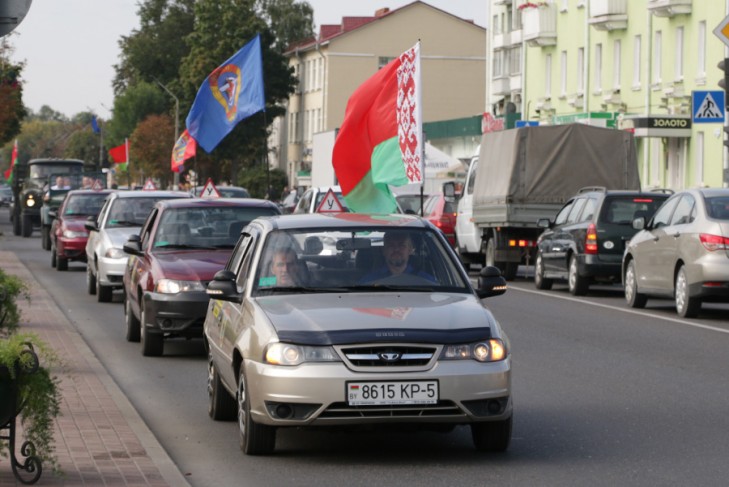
x=631, y=311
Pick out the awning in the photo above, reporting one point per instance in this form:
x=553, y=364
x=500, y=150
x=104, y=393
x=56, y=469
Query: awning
x=657, y=125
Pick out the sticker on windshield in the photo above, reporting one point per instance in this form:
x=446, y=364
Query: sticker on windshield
x=267, y=281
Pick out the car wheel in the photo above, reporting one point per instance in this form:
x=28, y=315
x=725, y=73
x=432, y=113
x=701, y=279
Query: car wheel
x=54, y=256
x=493, y=436
x=45, y=237
x=90, y=280
x=254, y=438
x=632, y=296
x=686, y=306
x=27, y=226
x=578, y=285
x=221, y=405
x=131, y=321
x=103, y=293
x=540, y=281
x=152, y=343
x=61, y=263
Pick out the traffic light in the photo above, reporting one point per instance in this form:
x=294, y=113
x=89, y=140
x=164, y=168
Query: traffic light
x=724, y=83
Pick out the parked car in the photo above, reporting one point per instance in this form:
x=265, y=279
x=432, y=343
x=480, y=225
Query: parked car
x=225, y=191
x=312, y=197
x=681, y=253
x=586, y=241
x=68, y=235
x=182, y=244
x=441, y=211
x=321, y=344
x=122, y=215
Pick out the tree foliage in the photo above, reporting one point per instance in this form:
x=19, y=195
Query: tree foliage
x=289, y=20
x=84, y=144
x=133, y=106
x=150, y=149
x=259, y=183
x=12, y=111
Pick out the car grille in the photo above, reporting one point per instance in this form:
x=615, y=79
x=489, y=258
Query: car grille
x=389, y=355
x=340, y=410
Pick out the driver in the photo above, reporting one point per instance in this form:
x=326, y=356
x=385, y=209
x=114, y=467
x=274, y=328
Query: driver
x=287, y=268
x=397, y=249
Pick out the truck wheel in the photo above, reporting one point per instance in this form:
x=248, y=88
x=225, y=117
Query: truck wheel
x=27, y=226
x=16, y=225
x=508, y=269
x=61, y=264
x=46, y=237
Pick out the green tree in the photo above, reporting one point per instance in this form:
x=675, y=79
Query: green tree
x=134, y=105
x=256, y=181
x=48, y=114
x=84, y=144
x=151, y=149
x=12, y=111
x=289, y=20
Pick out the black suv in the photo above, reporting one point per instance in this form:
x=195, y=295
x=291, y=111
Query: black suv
x=585, y=243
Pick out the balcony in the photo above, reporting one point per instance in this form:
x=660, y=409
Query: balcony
x=609, y=15
x=669, y=8
x=498, y=40
x=540, y=25
x=500, y=86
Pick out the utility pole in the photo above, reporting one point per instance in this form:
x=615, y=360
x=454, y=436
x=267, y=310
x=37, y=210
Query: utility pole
x=177, y=126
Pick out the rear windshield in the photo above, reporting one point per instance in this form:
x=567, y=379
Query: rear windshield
x=84, y=204
x=622, y=210
x=718, y=207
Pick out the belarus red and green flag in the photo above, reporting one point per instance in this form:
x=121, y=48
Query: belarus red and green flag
x=380, y=141
x=13, y=157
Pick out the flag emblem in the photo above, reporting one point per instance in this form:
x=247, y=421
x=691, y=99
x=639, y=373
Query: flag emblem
x=225, y=86
x=408, y=115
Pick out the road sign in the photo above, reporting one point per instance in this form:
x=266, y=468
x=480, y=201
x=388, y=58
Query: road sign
x=526, y=123
x=209, y=190
x=149, y=185
x=722, y=30
x=708, y=106
x=330, y=204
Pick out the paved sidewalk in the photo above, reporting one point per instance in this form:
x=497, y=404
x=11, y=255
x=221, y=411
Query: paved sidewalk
x=100, y=438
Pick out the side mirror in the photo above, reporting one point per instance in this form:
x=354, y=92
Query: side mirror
x=449, y=190
x=639, y=223
x=90, y=224
x=490, y=282
x=544, y=223
x=133, y=245
x=223, y=287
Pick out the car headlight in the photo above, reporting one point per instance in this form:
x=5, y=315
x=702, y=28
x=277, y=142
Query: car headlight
x=492, y=350
x=30, y=201
x=72, y=234
x=287, y=354
x=114, y=253
x=174, y=286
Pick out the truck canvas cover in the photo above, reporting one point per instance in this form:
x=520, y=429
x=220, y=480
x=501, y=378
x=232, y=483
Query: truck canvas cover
x=549, y=164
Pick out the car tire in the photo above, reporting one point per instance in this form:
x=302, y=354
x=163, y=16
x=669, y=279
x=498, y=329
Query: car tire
x=152, y=343
x=54, y=256
x=103, y=293
x=221, y=405
x=90, y=280
x=61, y=263
x=492, y=436
x=686, y=306
x=131, y=321
x=27, y=226
x=540, y=281
x=46, y=237
x=254, y=438
x=578, y=284
x=632, y=296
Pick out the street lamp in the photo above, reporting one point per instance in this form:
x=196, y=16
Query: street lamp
x=176, y=176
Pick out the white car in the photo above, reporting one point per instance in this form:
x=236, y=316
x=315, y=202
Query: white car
x=311, y=199
x=122, y=215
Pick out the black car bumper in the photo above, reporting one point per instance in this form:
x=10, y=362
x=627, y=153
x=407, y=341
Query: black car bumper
x=181, y=314
x=602, y=267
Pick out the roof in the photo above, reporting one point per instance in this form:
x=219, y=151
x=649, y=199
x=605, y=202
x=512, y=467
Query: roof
x=215, y=203
x=151, y=194
x=90, y=191
x=334, y=221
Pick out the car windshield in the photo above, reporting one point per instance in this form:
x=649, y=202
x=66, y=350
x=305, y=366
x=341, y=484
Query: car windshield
x=88, y=204
x=718, y=207
x=43, y=171
x=376, y=260
x=130, y=212
x=624, y=209
x=205, y=227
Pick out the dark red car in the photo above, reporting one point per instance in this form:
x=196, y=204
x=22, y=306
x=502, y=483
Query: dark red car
x=182, y=244
x=441, y=212
x=68, y=234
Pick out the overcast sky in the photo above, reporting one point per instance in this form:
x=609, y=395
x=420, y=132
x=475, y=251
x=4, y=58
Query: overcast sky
x=71, y=46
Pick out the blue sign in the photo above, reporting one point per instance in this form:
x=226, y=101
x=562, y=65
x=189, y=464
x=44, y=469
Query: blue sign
x=526, y=123
x=708, y=106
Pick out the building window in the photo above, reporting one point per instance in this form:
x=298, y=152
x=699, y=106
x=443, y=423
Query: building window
x=548, y=76
x=383, y=61
x=515, y=61
x=701, y=65
x=498, y=64
x=581, y=70
x=495, y=25
x=679, y=54
x=563, y=74
x=636, y=62
x=598, y=68
x=699, y=158
x=616, y=64
x=657, y=53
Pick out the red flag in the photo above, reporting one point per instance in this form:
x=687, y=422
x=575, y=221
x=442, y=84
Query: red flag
x=14, y=156
x=120, y=153
x=185, y=148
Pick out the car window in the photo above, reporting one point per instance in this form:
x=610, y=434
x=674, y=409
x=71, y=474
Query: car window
x=249, y=250
x=575, y=211
x=104, y=210
x=84, y=204
x=472, y=181
x=663, y=215
x=303, y=205
x=147, y=228
x=718, y=207
x=588, y=212
x=563, y=213
x=429, y=205
x=623, y=209
x=685, y=211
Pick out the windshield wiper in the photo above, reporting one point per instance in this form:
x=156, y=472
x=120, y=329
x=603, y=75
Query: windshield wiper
x=182, y=246
x=125, y=223
x=301, y=289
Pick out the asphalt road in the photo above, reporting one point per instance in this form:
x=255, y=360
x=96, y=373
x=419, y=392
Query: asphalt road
x=604, y=395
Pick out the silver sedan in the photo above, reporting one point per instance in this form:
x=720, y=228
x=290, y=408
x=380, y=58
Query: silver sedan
x=682, y=253
x=386, y=329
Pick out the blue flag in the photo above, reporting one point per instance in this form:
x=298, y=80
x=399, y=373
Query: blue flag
x=231, y=93
x=95, y=125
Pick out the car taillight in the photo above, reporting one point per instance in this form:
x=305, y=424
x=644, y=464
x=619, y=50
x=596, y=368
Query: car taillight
x=591, y=240
x=714, y=242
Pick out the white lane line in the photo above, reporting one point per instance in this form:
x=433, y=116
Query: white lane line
x=624, y=310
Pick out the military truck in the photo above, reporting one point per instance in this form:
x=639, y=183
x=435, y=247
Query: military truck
x=30, y=183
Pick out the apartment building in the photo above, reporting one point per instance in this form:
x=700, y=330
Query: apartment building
x=627, y=64
x=331, y=66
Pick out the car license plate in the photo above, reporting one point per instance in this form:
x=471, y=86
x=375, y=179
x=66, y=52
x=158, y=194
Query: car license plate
x=392, y=393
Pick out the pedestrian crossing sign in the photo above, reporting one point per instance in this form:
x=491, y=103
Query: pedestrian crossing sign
x=708, y=106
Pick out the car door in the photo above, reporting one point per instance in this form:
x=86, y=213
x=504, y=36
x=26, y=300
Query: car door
x=468, y=237
x=138, y=266
x=95, y=236
x=552, y=244
x=676, y=231
x=651, y=251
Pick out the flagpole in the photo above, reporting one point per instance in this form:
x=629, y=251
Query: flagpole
x=265, y=157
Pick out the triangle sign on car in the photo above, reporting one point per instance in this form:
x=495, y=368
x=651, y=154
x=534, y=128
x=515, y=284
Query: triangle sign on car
x=149, y=185
x=209, y=190
x=330, y=204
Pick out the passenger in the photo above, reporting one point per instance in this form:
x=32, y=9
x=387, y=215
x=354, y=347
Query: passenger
x=397, y=249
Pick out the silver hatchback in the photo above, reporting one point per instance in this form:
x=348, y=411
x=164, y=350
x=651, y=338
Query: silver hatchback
x=352, y=319
x=682, y=253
